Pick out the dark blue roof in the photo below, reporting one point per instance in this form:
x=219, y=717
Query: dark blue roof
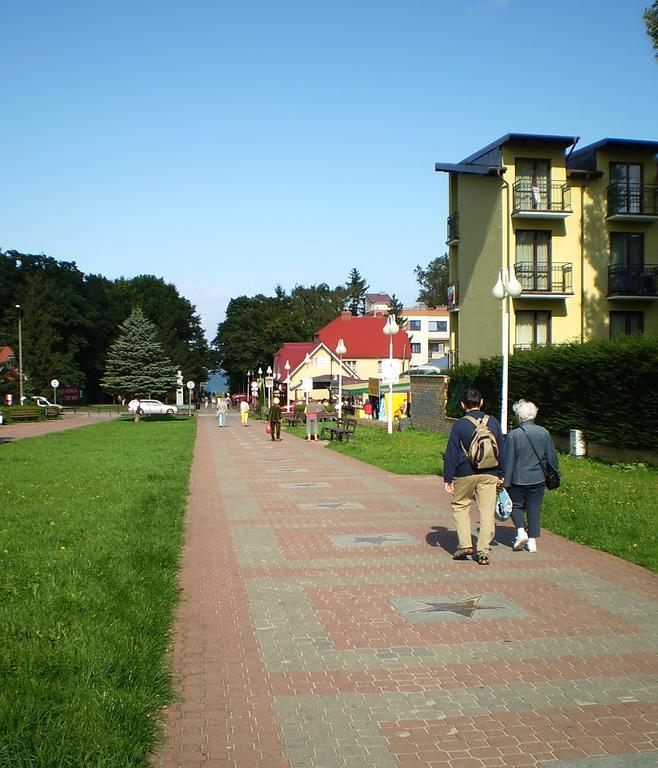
x=616, y=144
x=488, y=160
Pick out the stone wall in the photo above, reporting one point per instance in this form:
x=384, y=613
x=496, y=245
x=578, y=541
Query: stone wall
x=428, y=403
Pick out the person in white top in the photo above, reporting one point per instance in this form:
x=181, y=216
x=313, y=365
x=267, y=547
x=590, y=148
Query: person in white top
x=244, y=412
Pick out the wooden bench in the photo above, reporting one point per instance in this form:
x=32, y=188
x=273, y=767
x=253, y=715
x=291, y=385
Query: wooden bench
x=341, y=429
x=23, y=416
x=296, y=417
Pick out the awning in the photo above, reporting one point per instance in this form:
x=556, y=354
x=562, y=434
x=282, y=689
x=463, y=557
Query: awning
x=362, y=387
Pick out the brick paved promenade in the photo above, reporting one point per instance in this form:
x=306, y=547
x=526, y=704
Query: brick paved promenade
x=323, y=623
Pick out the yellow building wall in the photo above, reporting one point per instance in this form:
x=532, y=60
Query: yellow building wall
x=597, y=229
x=478, y=323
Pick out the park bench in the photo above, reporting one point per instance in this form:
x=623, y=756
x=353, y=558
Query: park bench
x=341, y=429
x=24, y=416
x=296, y=417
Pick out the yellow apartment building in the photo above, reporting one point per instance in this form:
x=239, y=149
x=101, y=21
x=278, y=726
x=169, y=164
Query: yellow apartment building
x=578, y=227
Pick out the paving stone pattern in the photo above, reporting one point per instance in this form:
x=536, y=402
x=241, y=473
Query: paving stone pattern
x=324, y=624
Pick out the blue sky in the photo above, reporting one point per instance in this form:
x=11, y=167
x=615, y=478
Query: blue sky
x=231, y=147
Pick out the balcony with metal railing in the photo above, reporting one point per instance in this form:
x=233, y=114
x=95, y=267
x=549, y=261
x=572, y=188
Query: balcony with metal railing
x=549, y=280
x=453, y=229
x=632, y=282
x=632, y=202
x=529, y=347
x=543, y=200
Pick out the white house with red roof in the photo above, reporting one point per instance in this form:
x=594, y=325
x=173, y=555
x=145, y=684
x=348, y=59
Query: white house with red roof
x=377, y=303
x=366, y=346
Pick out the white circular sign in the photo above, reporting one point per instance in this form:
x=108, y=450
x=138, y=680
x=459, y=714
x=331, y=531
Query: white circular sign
x=190, y=385
x=54, y=383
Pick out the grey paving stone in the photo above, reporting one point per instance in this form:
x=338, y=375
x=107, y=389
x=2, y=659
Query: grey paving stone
x=635, y=760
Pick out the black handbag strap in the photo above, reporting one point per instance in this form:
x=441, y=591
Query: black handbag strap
x=534, y=450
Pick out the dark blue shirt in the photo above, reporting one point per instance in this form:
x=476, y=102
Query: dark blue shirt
x=455, y=463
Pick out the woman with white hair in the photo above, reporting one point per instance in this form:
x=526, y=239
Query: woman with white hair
x=525, y=449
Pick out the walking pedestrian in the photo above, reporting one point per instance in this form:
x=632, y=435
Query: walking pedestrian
x=312, y=409
x=467, y=481
x=244, y=412
x=221, y=411
x=274, y=417
x=525, y=449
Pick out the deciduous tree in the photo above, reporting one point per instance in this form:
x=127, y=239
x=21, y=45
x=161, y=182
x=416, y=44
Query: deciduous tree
x=433, y=282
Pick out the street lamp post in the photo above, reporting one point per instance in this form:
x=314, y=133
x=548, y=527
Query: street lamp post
x=341, y=349
x=507, y=286
x=287, y=367
x=20, y=354
x=390, y=329
x=248, y=386
x=307, y=363
x=270, y=384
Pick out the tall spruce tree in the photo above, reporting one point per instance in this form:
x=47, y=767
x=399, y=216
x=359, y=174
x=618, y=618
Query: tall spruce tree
x=395, y=308
x=356, y=288
x=136, y=363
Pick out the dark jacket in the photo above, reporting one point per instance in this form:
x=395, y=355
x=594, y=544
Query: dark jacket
x=522, y=466
x=274, y=413
x=455, y=462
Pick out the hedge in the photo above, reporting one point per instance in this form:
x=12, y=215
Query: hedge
x=604, y=387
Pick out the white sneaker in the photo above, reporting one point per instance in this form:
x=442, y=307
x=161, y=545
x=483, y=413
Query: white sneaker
x=520, y=540
x=531, y=545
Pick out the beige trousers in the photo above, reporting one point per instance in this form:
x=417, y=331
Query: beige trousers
x=482, y=488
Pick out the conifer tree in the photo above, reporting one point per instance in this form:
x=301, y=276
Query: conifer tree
x=356, y=288
x=395, y=308
x=136, y=363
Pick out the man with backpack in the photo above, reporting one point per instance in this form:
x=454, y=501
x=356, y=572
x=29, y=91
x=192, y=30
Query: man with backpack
x=473, y=469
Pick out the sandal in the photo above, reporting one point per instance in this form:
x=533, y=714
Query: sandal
x=483, y=558
x=463, y=553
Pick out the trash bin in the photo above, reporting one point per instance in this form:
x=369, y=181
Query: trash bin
x=577, y=446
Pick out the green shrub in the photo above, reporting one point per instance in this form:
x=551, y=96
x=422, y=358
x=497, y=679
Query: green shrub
x=599, y=386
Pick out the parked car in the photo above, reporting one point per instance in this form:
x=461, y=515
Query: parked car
x=148, y=407
x=44, y=403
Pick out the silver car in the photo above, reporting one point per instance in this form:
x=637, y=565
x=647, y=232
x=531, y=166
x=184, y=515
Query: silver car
x=148, y=407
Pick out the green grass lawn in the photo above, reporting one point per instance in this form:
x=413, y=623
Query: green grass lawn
x=612, y=508
x=90, y=537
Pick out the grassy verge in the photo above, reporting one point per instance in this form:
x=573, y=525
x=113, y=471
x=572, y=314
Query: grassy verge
x=90, y=536
x=611, y=508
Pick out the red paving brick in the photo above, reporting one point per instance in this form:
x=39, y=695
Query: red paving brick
x=279, y=629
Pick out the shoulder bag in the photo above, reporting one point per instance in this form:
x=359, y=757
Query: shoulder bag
x=551, y=475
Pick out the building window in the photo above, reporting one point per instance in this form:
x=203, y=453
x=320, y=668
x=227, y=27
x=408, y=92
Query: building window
x=626, y=323
x=351, y=364
x=627, y=249
x=534, y=176
x=437, y=349
x=533, y=259
x=379, y=368
x=626, y=179
x=414, y=325
x=438, y=326
x=533, y=329
x=415, y=348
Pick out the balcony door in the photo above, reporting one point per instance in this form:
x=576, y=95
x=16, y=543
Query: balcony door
x=535, y=187
x=533, y=259
x=533, y=329
x=626, y=179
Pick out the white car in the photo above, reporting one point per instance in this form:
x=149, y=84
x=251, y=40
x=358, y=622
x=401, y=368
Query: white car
x=147, y=407
x=41, y=401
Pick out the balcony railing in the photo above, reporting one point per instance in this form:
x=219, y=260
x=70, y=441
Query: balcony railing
x=453, y=228
x=542, y=199
x=633, y=200
x=553, y=278
x=529, y=347
x=452, y=297
x=624, y=280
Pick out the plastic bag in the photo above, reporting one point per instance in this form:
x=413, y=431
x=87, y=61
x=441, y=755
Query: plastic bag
x=268, y=428
x=503, y=507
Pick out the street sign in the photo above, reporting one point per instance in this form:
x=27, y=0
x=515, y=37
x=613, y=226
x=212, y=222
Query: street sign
x=307, y=384
x=269, y=381
x=54, y=383
x=190, y=385
x=390, y=371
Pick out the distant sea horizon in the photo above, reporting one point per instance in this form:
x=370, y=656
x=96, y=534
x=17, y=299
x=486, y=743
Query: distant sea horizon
x=217, y=382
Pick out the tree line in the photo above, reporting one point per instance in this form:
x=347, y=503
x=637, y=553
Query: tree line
x=256, y=326
x=69, y=320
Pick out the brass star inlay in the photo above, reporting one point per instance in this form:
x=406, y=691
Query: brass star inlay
x=466, y=607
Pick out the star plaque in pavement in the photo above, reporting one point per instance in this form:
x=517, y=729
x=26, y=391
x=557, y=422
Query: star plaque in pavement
x=466, y=607
x=377, y=540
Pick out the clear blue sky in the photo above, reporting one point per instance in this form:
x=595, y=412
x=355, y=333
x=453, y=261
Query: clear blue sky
x=231, y=146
